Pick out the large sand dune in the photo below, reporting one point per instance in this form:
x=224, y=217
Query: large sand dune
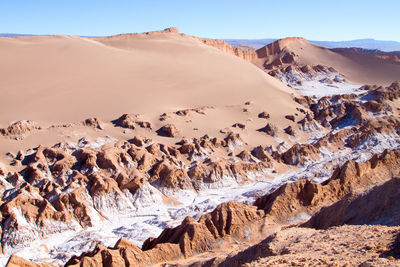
x=67, y=78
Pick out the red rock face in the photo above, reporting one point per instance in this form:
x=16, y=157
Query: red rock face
x=246, y=53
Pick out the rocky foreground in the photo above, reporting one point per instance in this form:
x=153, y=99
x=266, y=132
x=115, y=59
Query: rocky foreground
x=345, y=180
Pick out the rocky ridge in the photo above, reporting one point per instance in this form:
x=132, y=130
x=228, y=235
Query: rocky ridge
x=235, y=220
x=390, y=56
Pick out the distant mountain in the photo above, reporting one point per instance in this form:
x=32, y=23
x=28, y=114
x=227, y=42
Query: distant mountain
x=256, y=43
x=22, y=34
x=391, y=56
x=13, y=34
x=386, y=46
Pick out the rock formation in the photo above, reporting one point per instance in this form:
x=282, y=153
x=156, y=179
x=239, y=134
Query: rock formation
x=189, y=238
x=244, y=52
x=19, y=129
x=94, y=122
x=306, y=196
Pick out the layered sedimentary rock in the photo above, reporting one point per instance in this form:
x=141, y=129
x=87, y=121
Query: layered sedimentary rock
x=244, y=52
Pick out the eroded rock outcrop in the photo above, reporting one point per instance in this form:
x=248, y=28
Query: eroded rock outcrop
x=131, y=121
x=269, y=129
x=306, y=196
x=244, y=52
x=94, y=122
x=18, y=130
x=300, y=154
x=378, y=205
x=168, y=130
x=229, y=219
x=74, y=187
x=16, y=261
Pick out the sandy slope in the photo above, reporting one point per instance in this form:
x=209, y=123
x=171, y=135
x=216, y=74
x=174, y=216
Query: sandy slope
x=68, y=78
x=360, y=69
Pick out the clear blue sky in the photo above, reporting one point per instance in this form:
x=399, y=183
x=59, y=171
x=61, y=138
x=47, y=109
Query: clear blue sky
x=246, y=19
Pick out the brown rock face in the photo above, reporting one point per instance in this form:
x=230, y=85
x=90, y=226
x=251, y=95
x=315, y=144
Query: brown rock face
x=269, y=129
x=16, y=261
x=290, y=117
x=185, y=240
x=244, y=52
x=264, y=115
x=19, y=129
x=198, y=236
x=125, y=253
x=131, y=121
x=140, y=141
x=306, y=196
x=94, y=122
x=290, y=131
x=171, y=30
x=168, y=130
x=379, y=205
x=277, y=46
x=300, y=154
x=2, y=171
x=239, y=125
x=260, y=153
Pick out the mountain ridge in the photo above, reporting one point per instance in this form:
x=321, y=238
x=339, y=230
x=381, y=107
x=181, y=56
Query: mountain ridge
x=369, y=43
x=366, y=43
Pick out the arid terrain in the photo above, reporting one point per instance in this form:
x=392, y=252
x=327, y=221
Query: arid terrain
x=165, y=149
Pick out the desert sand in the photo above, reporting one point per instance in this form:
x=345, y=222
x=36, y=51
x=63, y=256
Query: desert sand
x=67, y=78
x=59, y=81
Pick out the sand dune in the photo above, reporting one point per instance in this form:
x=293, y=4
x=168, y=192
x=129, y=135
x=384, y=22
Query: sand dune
x=67, y=78
x=359, y=69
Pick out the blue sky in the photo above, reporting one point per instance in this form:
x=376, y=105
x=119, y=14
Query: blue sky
x=246, y=19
